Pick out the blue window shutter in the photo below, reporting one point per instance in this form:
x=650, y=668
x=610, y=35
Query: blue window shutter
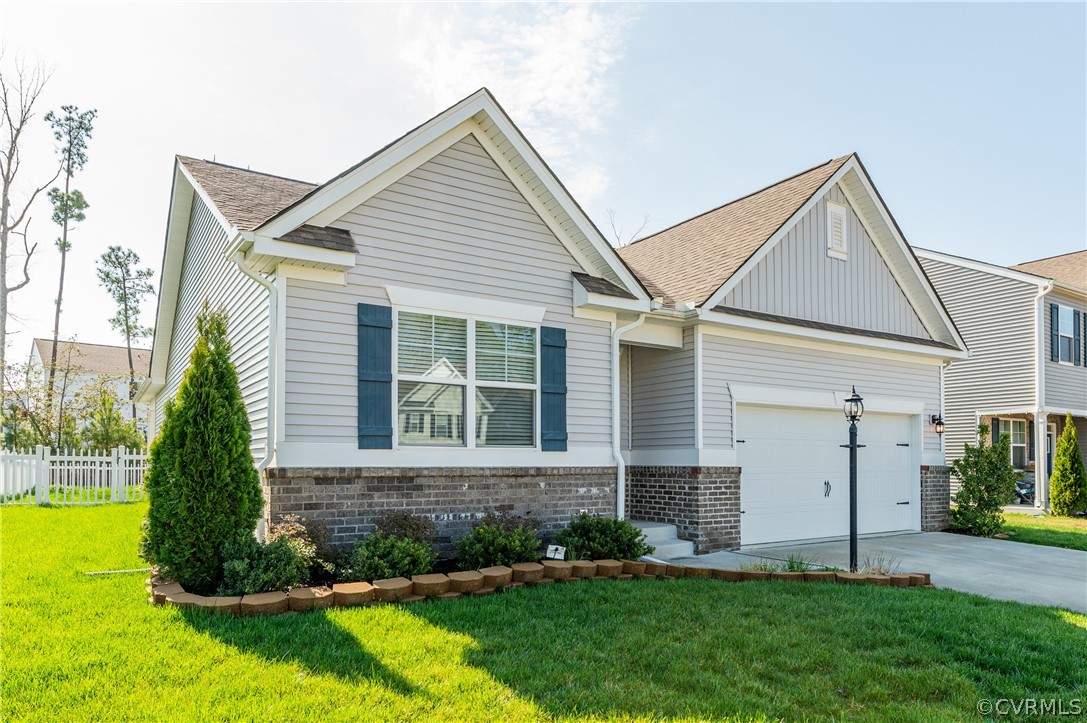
x=1030, y=439
x=996, y=430
x=1054, y=332
x=375, y=377
x=553, y=389
x=1076, y=337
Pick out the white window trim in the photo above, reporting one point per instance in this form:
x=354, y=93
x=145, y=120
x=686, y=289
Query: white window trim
x=833, y=208
x=469, y=381
x=1011, y=440
x=1071, y=337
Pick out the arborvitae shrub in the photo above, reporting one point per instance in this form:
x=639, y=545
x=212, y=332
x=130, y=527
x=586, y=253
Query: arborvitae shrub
x=1068, y=483
x=988, y=483
x=204, y=490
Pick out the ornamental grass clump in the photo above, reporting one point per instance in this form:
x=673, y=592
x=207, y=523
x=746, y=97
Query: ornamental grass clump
x=204, y=491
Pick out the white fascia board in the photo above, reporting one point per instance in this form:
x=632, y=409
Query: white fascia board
x=761, y=253
x=987, y=268
x=286, y=250
x=173, y=257
x=585, y=299
x=661, y=336
x=1070, y=290
x=309, y=454
x=438, y=301
x=767, y=396
x=907, y=252
x=681, y=457
x=309, y=273
x=1061, y=411
x=791, y=335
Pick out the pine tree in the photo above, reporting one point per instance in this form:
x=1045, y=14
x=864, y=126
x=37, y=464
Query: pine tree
x=204, y=490
x=1068, y=483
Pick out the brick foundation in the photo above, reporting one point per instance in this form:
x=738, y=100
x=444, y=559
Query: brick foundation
x=349, y=499
x=702, y=502
x=935, y=497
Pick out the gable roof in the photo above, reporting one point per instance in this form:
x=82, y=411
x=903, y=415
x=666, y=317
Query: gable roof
x=689, y=261
x=1070, y=268
x=97, y=358
x=245, y=198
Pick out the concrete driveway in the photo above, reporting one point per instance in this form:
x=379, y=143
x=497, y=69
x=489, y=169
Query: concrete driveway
x=1000, y=569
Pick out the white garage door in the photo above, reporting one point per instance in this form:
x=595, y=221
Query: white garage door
x=794, y=483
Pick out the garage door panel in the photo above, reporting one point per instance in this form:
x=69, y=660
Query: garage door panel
x=795, y=475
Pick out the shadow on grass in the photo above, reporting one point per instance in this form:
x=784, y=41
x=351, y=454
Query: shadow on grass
x=707, y=649
x=310, y=639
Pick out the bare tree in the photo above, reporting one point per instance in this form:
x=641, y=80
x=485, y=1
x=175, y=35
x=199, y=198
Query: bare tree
x=19, y=93
x=622, y=239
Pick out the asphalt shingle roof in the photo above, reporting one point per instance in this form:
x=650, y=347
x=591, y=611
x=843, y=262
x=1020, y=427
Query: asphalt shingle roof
x=97, y=358
x=246, y=198
x=597, y=285
x=690, y=261
x=1068, y=268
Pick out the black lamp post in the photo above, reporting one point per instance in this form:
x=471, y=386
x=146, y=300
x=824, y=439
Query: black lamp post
x=853, y=409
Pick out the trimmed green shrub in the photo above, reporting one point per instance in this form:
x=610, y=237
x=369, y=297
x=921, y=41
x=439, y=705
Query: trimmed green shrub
x=379, y=556
x=499, y=539
x=602, y=538
x=407, y=526
x=1068, y=483
x=204, y=490
x=988, y=483
x=250, y=567
x=309, y=538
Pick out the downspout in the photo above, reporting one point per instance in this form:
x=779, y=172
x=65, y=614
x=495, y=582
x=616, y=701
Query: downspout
x=616, y=433
x=1041, y=473
x=273, y=298
x=943, y=411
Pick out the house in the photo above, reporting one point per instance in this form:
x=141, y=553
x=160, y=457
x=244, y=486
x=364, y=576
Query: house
x=81, y=365
x=1028, y=366
x=441, y=329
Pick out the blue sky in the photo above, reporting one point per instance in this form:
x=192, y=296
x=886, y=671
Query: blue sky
x=971, y=118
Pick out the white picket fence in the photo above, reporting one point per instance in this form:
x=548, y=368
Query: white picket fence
x=71, y=477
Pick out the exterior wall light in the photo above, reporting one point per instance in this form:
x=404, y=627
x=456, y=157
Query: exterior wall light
x=938, y=423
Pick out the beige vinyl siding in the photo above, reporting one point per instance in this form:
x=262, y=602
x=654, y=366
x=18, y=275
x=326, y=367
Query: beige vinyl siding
x=797, y=279
x=996, y=317
x=662, y=396
x=457, y=225
x=208, y=274
x=728, y=360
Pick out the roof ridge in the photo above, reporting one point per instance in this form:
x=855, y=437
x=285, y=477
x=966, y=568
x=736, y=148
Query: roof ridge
x=247, y=170
x=742, y=198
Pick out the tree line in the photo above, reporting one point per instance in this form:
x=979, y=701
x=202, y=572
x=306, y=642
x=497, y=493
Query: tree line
x=37, y=407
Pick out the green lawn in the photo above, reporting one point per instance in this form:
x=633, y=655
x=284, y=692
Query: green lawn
x=78, y=648
x=1052, y=531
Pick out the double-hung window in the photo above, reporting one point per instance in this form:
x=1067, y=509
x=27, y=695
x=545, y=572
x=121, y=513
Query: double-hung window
x=451, y=369
x=1066, y=330
x=1016, y=429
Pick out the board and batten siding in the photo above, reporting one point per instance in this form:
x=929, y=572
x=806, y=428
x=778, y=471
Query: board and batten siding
x=727, y=360
x=996, y=317
x=797, y=279
x=207, y=274
x=662, y=396
x=1065, y=384
x=456, y=224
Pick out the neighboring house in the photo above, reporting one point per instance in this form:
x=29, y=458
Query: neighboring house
x=441, y=329
x=89, y=364
x=1025, y=326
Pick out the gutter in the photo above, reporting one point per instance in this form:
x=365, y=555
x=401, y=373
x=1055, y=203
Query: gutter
x=273, y=298
x=616, y=433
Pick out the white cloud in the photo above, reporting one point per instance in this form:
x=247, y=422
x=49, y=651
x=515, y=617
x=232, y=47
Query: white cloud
x=551, y=67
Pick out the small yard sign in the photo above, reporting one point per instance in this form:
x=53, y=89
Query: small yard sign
x=556, y=552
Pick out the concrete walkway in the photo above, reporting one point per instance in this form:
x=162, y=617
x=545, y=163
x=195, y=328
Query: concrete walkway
x=1000, y=569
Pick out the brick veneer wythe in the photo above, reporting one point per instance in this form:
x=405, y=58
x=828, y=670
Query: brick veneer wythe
x=935, y=497
x=702, y=502
x=349, y=499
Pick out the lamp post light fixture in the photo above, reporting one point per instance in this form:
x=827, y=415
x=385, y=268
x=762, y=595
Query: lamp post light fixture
x=937, y=423
x=853, y=409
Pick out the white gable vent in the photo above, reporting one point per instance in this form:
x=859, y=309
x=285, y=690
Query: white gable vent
x=837, y=233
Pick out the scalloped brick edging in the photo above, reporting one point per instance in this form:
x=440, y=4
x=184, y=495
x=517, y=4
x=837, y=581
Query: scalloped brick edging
x=490, y=580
